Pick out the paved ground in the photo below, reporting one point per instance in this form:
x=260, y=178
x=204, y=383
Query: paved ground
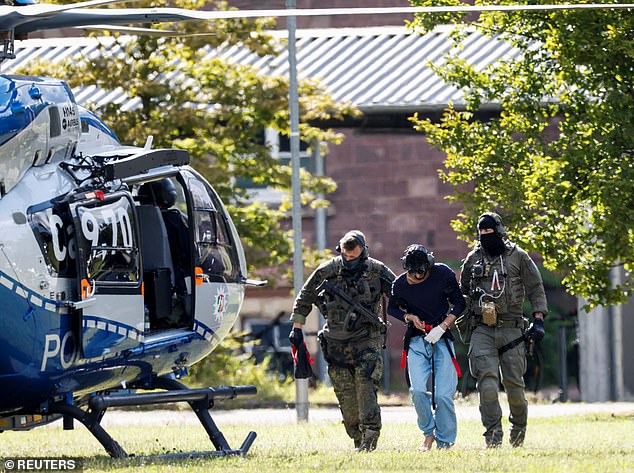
x=390, y=414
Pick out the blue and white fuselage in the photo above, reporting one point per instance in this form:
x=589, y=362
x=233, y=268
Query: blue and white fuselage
x=94, y=294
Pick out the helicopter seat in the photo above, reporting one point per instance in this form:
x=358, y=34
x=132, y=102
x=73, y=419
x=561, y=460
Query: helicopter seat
x=158, y=270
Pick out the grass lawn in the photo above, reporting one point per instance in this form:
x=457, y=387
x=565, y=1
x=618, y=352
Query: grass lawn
x=581, y=444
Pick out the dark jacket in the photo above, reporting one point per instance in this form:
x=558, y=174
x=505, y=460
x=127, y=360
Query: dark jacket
x=517, y=278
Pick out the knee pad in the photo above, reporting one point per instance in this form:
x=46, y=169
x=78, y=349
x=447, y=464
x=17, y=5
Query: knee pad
x=516, y=397
x=488, y=389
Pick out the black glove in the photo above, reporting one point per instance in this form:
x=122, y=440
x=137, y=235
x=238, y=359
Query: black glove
x=536, y=330
x=296, y=337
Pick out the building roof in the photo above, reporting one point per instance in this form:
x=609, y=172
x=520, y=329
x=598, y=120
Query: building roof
x=379, y=69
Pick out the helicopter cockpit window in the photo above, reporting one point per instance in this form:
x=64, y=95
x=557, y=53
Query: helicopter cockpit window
x=216, y=254
x=107, y=234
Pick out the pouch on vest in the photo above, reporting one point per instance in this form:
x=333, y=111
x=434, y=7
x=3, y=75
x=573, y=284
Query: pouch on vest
x=489, y=315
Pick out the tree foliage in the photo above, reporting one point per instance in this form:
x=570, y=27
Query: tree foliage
x=193, y=99
x=557, y=162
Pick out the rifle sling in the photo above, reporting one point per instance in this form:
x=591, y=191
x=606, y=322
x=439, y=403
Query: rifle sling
x=367, y=315
x=512, y=344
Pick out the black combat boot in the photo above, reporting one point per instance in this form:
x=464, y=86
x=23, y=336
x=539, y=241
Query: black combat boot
x=369, y=440
x=493, y=438
x=517, y=436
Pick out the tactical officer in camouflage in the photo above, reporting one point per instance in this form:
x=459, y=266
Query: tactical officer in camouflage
x=350, y=342
x=496, y=276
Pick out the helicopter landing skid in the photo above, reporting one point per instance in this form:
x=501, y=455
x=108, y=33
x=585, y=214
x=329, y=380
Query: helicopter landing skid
x=200, y=400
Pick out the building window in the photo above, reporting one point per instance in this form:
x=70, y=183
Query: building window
x=280, y=147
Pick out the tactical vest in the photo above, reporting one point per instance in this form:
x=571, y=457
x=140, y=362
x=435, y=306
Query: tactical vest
x=497, y=279
x=364, y=286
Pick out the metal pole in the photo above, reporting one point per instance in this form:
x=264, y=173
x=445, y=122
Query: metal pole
x=615, y=321
x=386, y=367
x=563, y=367
x=320, y=213
x=301, y=385
x=321, y=241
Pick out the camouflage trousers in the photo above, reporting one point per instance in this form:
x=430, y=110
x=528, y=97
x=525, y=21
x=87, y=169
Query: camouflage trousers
x=355, y=369
x=485, y=364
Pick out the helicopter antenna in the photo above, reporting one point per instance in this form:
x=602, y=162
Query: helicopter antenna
x=8, y=46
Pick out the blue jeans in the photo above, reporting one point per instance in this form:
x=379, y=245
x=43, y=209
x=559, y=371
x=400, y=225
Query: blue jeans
x=442, y=423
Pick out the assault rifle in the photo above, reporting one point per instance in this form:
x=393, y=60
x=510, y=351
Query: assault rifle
x=355, y=309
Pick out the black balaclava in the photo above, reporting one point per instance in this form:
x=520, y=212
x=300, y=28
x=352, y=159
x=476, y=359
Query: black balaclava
x=491, y=242
x=351, y=265
x=359, y=239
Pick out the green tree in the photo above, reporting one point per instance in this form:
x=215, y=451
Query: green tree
x=214, y=108
x=557, y=162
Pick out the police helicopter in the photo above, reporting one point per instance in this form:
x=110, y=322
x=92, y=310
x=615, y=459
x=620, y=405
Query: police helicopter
x=119, y=265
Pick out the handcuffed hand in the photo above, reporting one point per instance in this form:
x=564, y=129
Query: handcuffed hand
x=296, y=337
x=536, y=330
x=418, y=323
x=436, y=334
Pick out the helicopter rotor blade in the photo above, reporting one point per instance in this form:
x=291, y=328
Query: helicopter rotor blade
x=46, y=8
x=87, y=17
x=132, y=30
x=11, y=17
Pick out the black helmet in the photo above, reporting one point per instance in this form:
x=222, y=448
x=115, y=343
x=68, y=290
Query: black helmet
x=416, y=259
x=161, y=193
x=491, y=220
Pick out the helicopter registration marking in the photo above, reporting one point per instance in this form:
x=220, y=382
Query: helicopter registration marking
x=57, y=225
x=116, y=219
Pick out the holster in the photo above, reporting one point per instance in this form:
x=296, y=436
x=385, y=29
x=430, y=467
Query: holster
x=323, y=343
x=352, y=322
x=466, y=324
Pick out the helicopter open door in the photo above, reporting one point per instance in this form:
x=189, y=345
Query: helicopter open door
x=166, y=251
x=108, y=272
x=218, y=261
